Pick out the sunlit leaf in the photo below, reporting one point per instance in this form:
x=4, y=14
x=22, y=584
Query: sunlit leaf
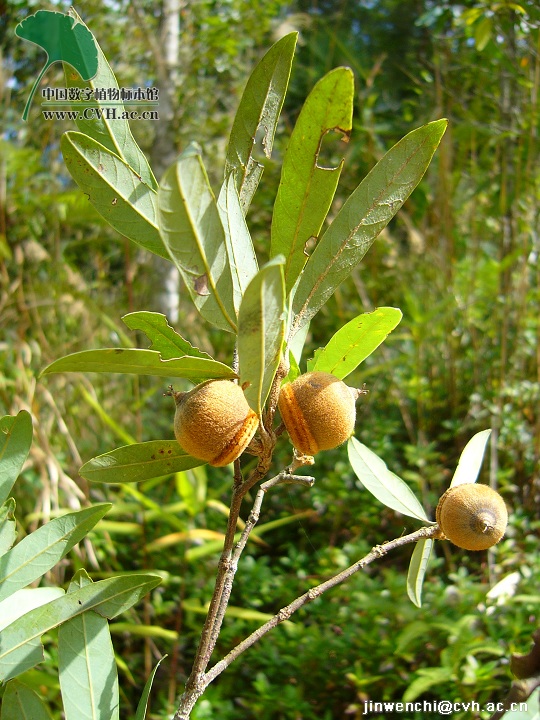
x=121, y=528
x=296, y=345
x=15, y=442
x=259, y=111
x=191, y=229
x=234, y=611
x=242, y=258
x=355, y=341
x=145, y=631
x=250, y=614
x=63, y=39
x=306, y=189
x=164, y=339
x=261, y=323
x=114, y=189
x=387, y=487
x=86, y=664
x=294, y=369
x=20, y=644
x=41, y=550
x=483, y=32
x=417, y=570
x=108, y=128
x=142, y=461
x=362, y=217
x=139, y=362
x=25, y=600
x=191, y=486
x=173, y=539
x=471, y=459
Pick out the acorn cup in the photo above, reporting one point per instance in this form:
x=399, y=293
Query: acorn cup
x=472, y=516
x=213, y=421
x=318, y=411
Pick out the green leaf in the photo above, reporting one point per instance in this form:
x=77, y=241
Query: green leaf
x=471, y=459
x=362, y=217
x=15, y=443
x=355, y=341
x=140, y=713
x=251, y=615
x=306, y=189
x=146, y=631
x=20, y=702
x=164, y=339
x=63, y=39
x=8, y=525
x=296, y=345
x=242, y=258
x=259, y=110
x=139, y=362
x=86, y=664
x=114, y=189
x=25, y=600
x=112, y=132
x=191, y=229
x=20, y=645
x=174, y=539
x=39, y=552
x=294, y=368
x=261, y=329
x=387, y=487
x=142, y=461
x=417, y=570
x=191, y=487
x=426, y=679
x=482, y=33
x=232, y=611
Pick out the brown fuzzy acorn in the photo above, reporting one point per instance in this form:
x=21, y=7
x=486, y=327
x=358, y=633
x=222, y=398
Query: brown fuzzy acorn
x=319, y=411
x=473, y=517
x=213, y=422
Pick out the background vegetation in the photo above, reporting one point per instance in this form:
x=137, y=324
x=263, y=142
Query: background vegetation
x=460, y=260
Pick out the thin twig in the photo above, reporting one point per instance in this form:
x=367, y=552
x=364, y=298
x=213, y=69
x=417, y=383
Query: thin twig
x=205, y=646
x=286, y=612
x=196, y=682
x=283, y=478
x=212, y=625
x=204, y=679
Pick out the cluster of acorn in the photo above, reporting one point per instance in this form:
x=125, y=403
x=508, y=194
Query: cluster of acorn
x=213, y=422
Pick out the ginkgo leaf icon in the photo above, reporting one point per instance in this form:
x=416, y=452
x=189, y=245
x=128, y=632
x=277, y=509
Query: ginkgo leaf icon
x=63, y=39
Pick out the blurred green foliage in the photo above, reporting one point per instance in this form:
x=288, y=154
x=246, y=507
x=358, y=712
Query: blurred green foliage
x=460, y=260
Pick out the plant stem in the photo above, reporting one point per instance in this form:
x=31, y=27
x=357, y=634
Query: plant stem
x=285, y=613
x=205, y=646
x=283, y=478
x=203, y=679
x=218, y=603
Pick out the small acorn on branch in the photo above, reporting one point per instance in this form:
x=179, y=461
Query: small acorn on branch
x=213, y=421
x=472, y=516
x=318, y=411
